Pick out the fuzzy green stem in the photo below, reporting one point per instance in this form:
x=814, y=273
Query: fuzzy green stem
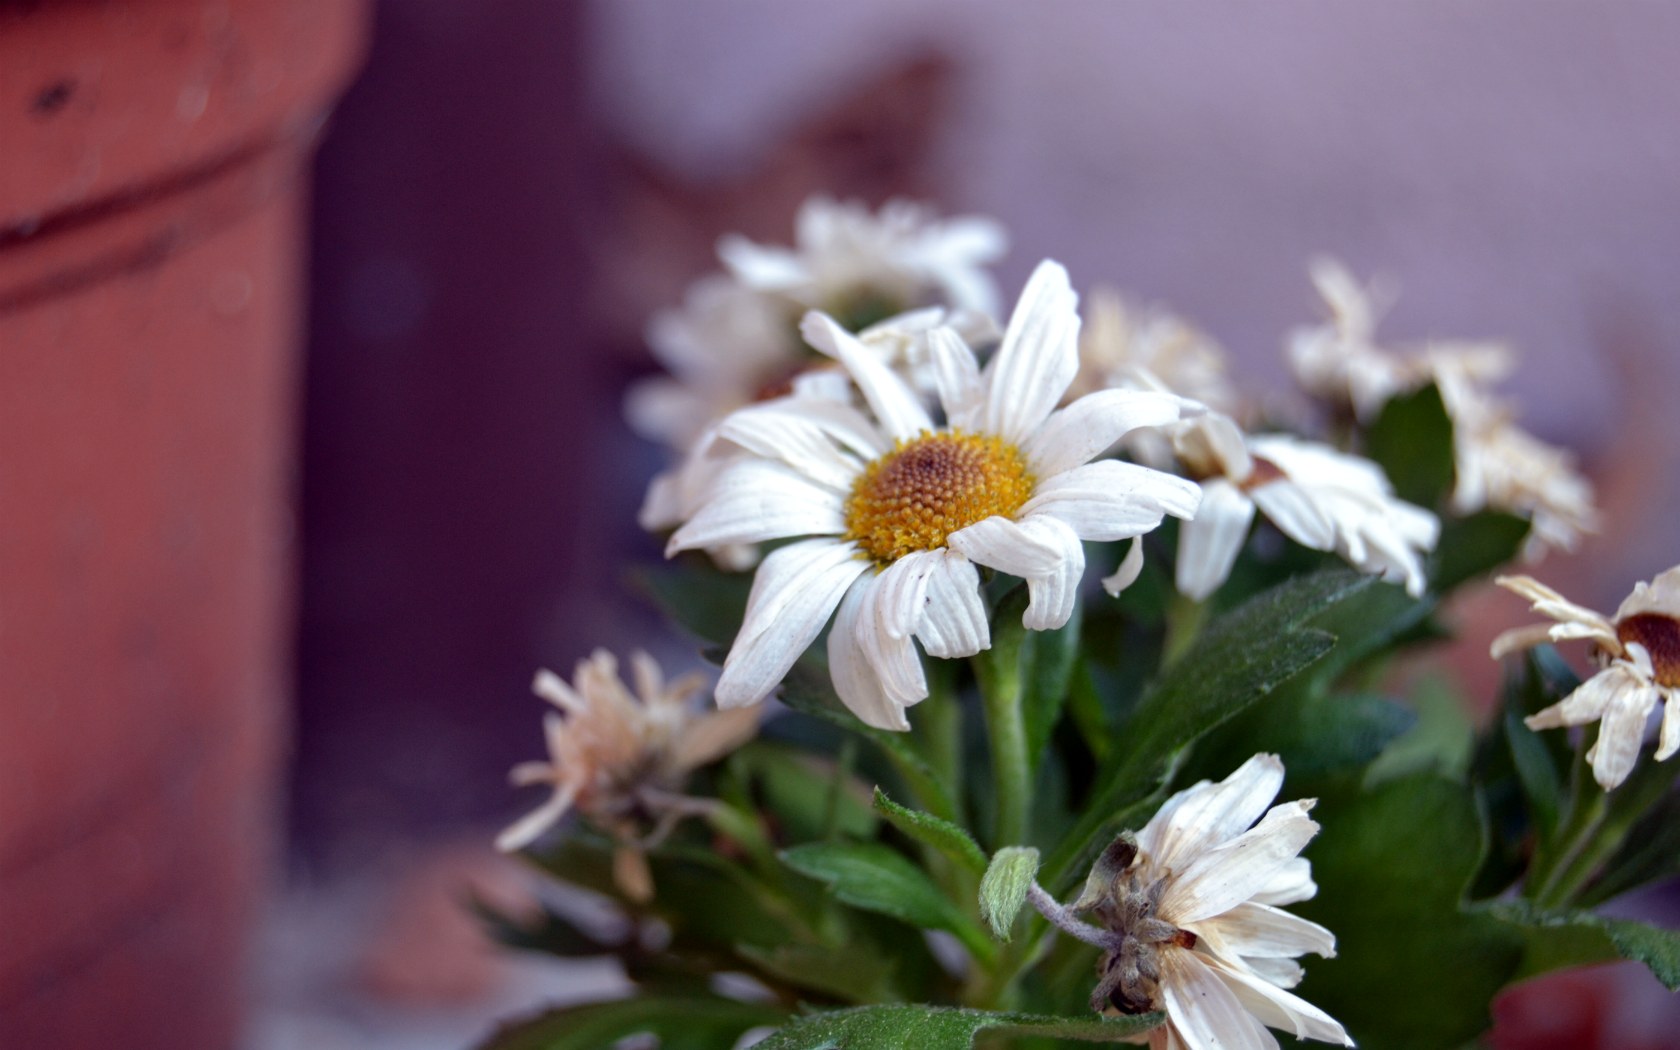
x=999, y=672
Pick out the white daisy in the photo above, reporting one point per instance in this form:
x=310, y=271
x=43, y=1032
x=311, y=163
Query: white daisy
x=621, y=757
x=1189, y=911
x=900, y=510
x=860, y=267
x=1639, y=650
x=1317, y=496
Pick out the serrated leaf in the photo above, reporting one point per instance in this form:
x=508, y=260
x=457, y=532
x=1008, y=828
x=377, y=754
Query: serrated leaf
x=693, y=1022
x=1003, y=889
x=1564, y=938
x=1239, y=658
x=899, y=1027
x=942, y=835
x=1412, y=440
x=1392, y=864
x=877, y=878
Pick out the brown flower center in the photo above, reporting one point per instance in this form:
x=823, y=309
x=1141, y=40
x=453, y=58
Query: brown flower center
x=930, y=486
x=1660, y=635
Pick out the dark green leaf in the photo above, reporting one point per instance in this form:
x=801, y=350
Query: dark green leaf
x=1392, y=864
x=1239, y=658
x=1047, y=664
x=853, y=971
x=1558, y=939
x=1650, y=852
x=902, y=1027
x=549, y=932
x=942, y=835
x=697, y=595
x=1316, y=734
x=1412, y=440
x=798, y=788
x=1474, y=546
x=880, y=879
x=688, y=1022
x=1440, y=742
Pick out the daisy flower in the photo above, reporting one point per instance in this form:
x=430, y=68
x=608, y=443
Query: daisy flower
x=1317, y=496
x=892, y=512
x=619, y=757
x=1189, y=912
x=1639, y=653
x=860, y=266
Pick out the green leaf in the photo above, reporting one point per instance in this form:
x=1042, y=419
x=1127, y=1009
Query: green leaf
x=880, y=879
x=550, y=932
x=1650, y=852
x=1004, y=888
x=798, y=787
x=694, y=1023
x=1442, y=740
x=1392, y=864
x=942, y=835
x=1048, y=659
x=853, y=971
x=1474, y=546
x=1238, y=659
x=697, y=595
x=1412, y=440
x=897, y=1027
x=1564, y=938
x=1316, y=734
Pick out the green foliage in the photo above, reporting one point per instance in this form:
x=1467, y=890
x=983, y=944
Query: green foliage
x=1413, y=970
x=878, y=878
x=926, y=828
x=1475, y=546
x=1004, y=888
x=1412, y=440
x=687, y=1023
x=941, y=1028
x=1239, y=658
x=1559, y=938
x=1441, y=741
x=697, y=595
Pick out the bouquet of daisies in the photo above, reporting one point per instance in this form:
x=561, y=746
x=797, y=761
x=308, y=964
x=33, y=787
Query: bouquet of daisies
x=951, y=789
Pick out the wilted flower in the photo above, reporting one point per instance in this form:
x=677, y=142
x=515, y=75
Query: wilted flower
x=1639, y=650
x=904, y=509
x=861, y=267
x=621, y=758
x=1122, y=343
x=1189, y=913
x=1317, y=496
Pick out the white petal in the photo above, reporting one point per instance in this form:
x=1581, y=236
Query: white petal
x=954, y=623
x=1661, y=595
x=1621, y=731
x=1112, y=500
x=1284, y=973
x=1090, y=426
x=1273, y=1006
x=1039, y=356
x=957, y=376
x=1292, y=509
x=793, y=594
x=1131, y=566
x=884, y=627
x=902, y=591
x=1586, y=704
x=1205, y=1010
x=1292, y=883
x=895, y=405
x=1041, y=550
x=757, y=500
x=780, y=432
x=1252, y=929
x=1517, y=639
x=761, y=267
x=855, y=679
x=525, y=830
x=1234, y=871
x=1204, y=815
x=1209, y=543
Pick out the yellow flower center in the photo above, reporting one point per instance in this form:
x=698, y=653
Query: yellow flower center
x=930, y=486
x=1660, y=635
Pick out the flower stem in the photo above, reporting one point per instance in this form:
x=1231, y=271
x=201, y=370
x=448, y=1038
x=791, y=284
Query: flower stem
x=999, y=672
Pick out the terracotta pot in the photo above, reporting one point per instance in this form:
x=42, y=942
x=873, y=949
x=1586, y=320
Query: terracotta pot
x=151, y=188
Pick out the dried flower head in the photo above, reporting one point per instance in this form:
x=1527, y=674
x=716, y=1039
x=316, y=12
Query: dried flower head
x=1190, y=910
x=620, y=758
x=1639, y=653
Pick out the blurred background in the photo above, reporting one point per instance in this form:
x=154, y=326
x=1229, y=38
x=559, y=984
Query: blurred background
x=310, y=444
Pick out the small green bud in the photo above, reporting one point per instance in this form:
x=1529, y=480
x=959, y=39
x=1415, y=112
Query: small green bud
x=1003, y=889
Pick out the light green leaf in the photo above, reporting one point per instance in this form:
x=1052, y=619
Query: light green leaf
x=1003, y=890
x=1392, y=864
x=907, y=1027
x=1441, y=741
x=695, y=1023
x=1564, y=938
x=942, y=835
x=880, y=879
